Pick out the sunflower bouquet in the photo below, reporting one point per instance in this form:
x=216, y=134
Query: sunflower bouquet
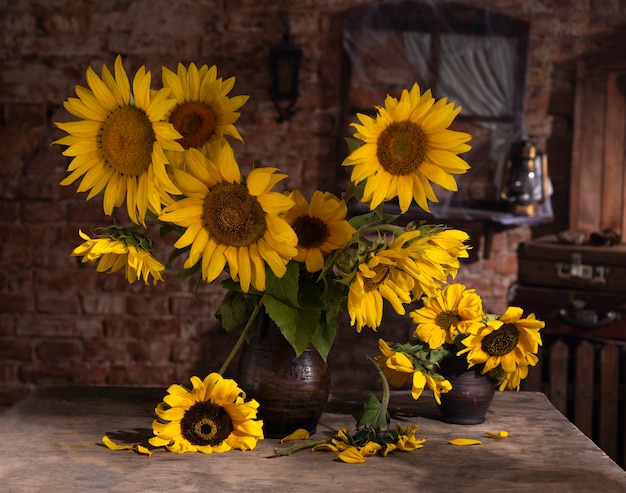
x=165, y=154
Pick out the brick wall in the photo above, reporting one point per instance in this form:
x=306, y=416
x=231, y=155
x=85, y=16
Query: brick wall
x=61, y=322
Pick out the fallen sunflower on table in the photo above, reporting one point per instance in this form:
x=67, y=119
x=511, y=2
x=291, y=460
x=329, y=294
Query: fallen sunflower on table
x=371, y=436
x=211, y=417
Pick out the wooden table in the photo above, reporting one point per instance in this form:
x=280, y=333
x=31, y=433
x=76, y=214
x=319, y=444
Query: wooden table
x=52, y=442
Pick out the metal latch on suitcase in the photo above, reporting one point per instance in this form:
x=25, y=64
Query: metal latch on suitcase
x=577, y=271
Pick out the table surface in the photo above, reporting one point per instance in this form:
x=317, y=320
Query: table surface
x=51, y=442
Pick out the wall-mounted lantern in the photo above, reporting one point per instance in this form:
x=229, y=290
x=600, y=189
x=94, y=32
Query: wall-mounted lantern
x=285, y=60
x=525, y=180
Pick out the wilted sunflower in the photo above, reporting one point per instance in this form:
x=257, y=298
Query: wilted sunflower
x=406, y=147
x=399, y=369
x=118, y=145
x=212, y=417
x=321, y=227
x=380, y=277
x=447, y=314
x=112, y=254
x=353, y=448
x=232, y=220
x=509, y=343
x=204, y=113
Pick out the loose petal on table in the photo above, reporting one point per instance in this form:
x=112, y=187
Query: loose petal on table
x=465, y=441
x=500, y=434
x=299, y=434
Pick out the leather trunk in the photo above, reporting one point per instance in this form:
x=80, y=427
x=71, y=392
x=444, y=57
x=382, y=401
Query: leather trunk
x=570, y=312
x=546, y=262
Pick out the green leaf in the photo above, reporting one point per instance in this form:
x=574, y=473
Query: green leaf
x=284, y=288
x=334, y=298
x=324, y=336
x=353, y=144
x=298, y=325
x=369, y=412
x=235, y=310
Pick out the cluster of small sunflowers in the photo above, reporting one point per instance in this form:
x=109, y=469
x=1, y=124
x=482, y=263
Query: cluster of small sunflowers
x=165, y=154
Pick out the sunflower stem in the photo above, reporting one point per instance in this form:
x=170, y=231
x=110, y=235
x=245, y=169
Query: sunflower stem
x=381, y=420
x=299, y=446
x=377, y=228
x=242, y=336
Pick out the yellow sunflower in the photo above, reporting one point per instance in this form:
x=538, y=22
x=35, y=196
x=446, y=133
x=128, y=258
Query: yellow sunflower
x=446, y=315
x=407, y=147
x=112, y=254
x=434, y=256
x=212, y=417
x=321, y=227
x=509, y=343
x=204, y=113
x=380, y=277
x=118, y=145
x=232, y=220
x=396, y=366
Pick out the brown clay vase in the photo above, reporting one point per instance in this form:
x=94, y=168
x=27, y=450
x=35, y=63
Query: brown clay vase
x=471, y=395
x=291, y=391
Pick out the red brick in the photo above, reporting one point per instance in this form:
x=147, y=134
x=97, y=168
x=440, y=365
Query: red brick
x=17, y=303
x=42, y=212
x=7, y=325
x=503, y=264
x=9, y=210
x=16, y=349
x=59, y=350
x=107, y=350
x=9, y=371
x=104, y=303
x=62, y=372
x=58, y=303
x=150, y=350
x=89, y=213
x=48, y=258
x=44, y=326
x=147, y=305
x=39, y=187
x=14, y=256
x=88, y=328
x=64, y=22
x=78, y=280
x=10, y=170
x=143, y=374
x=15, y=141
x=186, y=306
x=26, y=116
x=119, y=328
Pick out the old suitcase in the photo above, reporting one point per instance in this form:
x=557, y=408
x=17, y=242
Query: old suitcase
x=570, y=312
x=546, y=262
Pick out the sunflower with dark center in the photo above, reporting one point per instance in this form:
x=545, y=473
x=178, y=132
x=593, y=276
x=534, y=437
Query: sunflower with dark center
x=508, y=344
x=446, y=315
x=320, y=225
x=406, y=148
x=232, y=220
x=118, y=146
x=211, y=417
x=204, y=113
